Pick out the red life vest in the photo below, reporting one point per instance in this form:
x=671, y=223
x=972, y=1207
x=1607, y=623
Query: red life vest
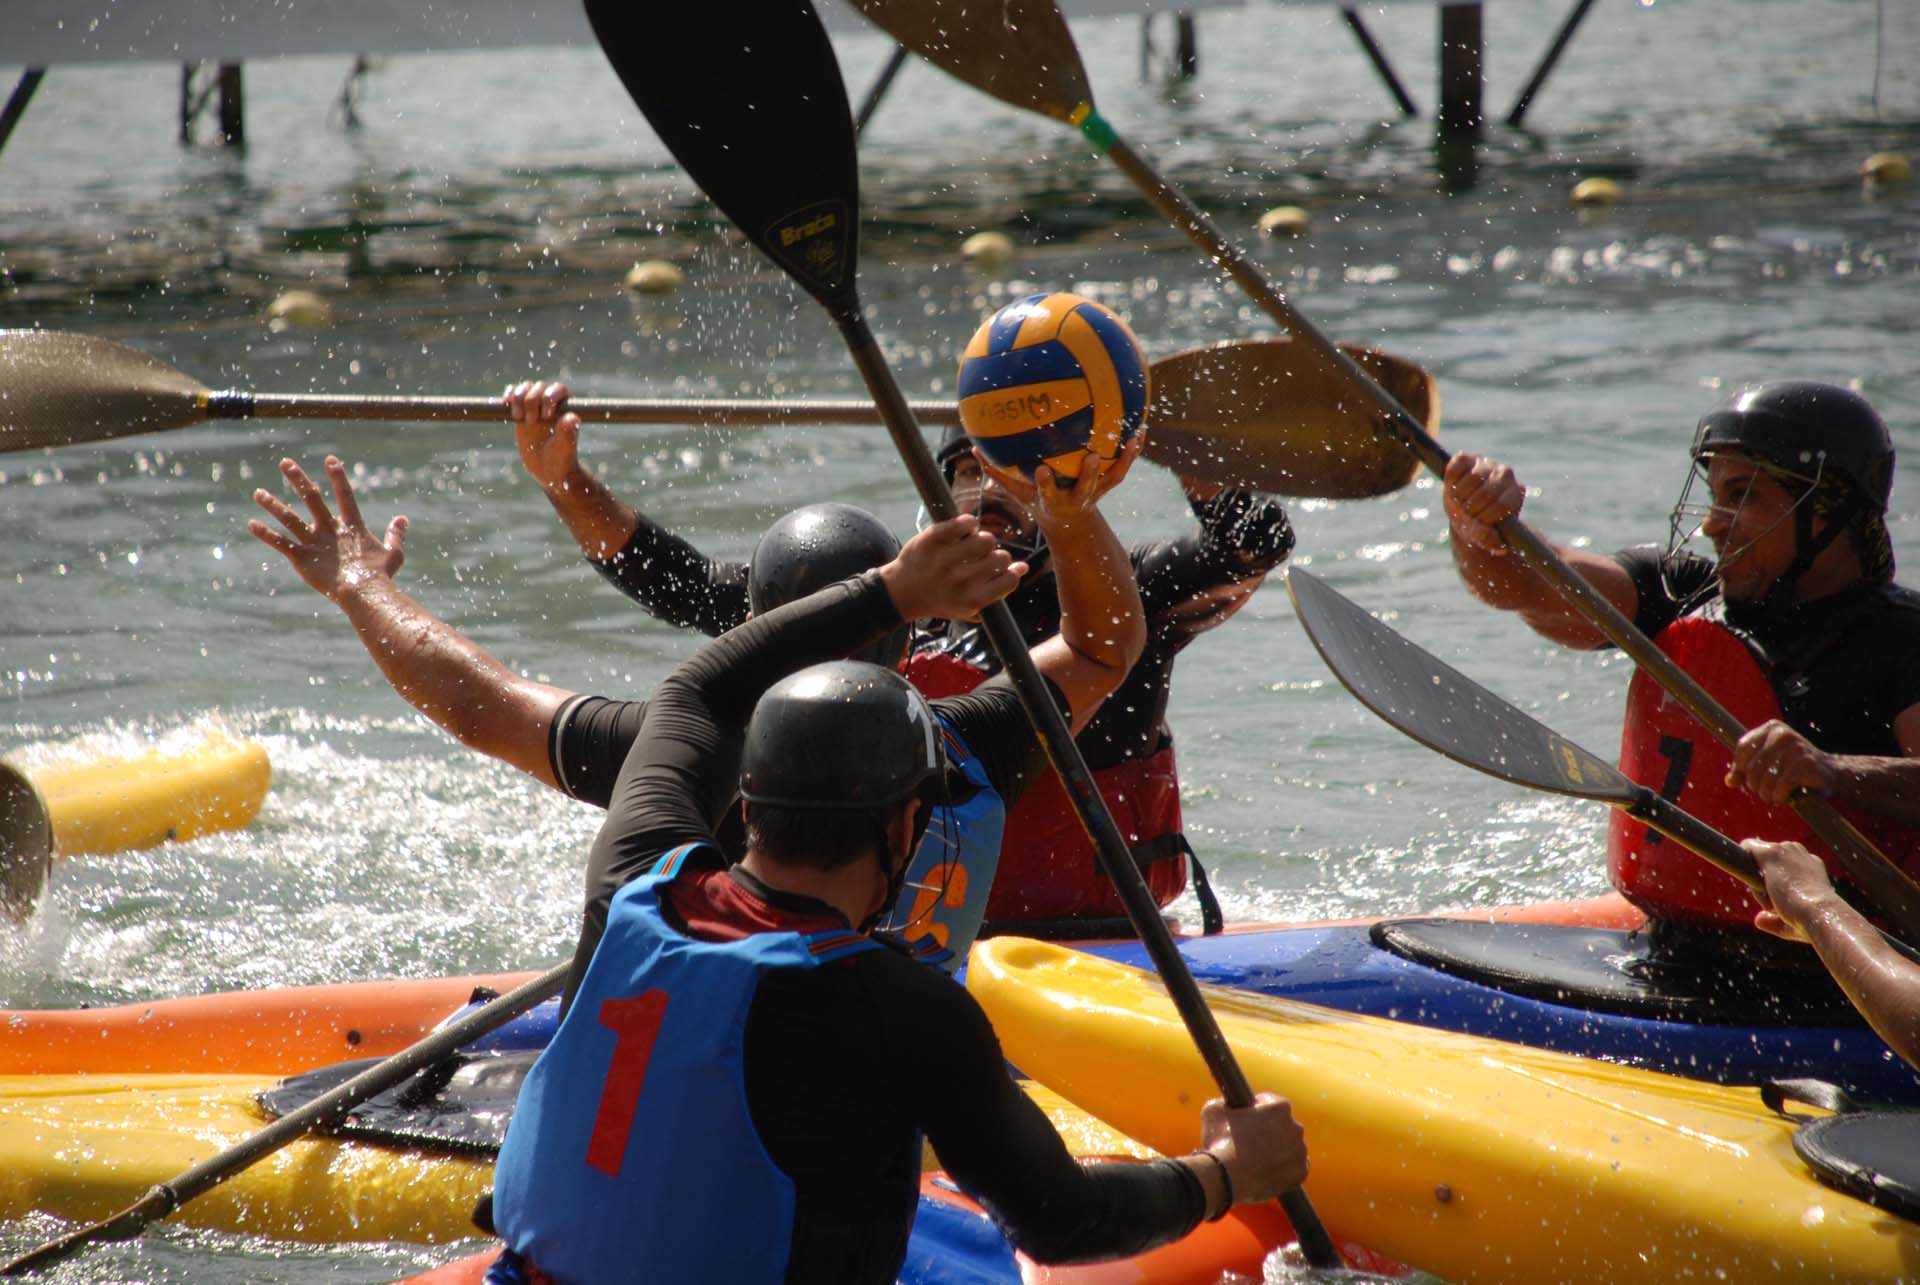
x=1048, y=868
x=1665, y=749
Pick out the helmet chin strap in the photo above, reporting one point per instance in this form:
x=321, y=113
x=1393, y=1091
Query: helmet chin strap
x=1779, y=595
x=892, y=868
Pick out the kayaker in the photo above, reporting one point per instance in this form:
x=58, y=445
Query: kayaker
x=1050, y=880
x=576, y=743
x=741, y=1089
x=1803, y=906
x=1795, y=626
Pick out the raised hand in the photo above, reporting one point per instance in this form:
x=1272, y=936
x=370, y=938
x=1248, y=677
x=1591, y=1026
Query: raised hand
x=953, y=570
x=1054, y=500
x=333, y=554
x=548, y=435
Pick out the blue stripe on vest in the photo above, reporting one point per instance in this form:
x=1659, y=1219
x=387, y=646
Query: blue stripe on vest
x=632, y=1139
x=964, y=836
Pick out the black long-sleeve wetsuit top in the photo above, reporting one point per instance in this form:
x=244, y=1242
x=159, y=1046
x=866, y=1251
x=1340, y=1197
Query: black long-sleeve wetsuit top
x=1239, y=536
x=847, y=1063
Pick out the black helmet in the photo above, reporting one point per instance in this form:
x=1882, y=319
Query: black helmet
x=1809, y=431
x=846, y=735
x=813, y=547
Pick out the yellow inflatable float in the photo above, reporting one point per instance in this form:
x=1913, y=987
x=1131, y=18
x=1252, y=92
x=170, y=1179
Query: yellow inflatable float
x=121, y=802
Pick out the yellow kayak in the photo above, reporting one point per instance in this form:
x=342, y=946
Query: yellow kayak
x=82, y=1147
x=1474, y=1160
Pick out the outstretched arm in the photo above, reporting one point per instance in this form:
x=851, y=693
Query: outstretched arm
x=1479, y=493
x=1882, y=983
x=441, y=673
x=1103, y=627
x=549, y=442
x=656, y=568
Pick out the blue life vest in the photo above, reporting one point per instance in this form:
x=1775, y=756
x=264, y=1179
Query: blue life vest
x=944, y=898
x=632, y=1150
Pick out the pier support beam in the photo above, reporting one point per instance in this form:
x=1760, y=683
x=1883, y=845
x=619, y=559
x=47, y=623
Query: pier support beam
x=1186, y=46
x=1461, y=77
x=17, y=101
x=1547, y=61
x=194, y=98
x=1378, y=57
x=881, y=84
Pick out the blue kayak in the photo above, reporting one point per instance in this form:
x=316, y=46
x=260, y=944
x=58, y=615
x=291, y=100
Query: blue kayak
x=1573, y=988
x=1589, y=991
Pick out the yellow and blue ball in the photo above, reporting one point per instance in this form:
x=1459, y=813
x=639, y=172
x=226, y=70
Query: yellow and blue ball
x=1049, y=379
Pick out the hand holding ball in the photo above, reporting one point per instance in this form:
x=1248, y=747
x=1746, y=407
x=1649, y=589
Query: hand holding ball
x=1050, y=379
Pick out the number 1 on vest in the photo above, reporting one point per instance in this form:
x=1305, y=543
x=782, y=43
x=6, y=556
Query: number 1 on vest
x=635, y=1023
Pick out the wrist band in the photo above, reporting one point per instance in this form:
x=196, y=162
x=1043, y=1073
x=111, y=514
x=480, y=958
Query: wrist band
x=1226, y=1184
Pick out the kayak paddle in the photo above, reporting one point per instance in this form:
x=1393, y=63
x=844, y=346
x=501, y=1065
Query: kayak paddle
x=324, y=1110
x=1449, y=713
x=26, y=843
x=1025, y=56
x=753, y=107
x=1251, y=412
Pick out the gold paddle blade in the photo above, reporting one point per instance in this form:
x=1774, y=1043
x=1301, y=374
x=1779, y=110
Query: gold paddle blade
x=1274, y=415
x=58, y=388
x=1019, y=51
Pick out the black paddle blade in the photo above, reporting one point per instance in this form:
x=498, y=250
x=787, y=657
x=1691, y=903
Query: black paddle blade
x=1019, y=51
x=58, y=389
x=1442, y=708
x=733, y=89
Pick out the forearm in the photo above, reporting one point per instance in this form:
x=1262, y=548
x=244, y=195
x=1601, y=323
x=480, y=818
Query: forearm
x=1130, y=1208
x=1101, y=617
x=1883, y=984
x=1886, y=786
x=674, y=581
x=597, y=519
x=456, y=683
x=1506, y=582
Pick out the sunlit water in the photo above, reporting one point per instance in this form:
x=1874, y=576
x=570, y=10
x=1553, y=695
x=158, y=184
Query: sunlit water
x=475, y=231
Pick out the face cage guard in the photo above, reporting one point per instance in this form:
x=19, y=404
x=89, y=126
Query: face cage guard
x=1690, y=515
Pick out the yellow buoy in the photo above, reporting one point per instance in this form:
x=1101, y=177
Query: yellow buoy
x=1595, y=191
x=654, y=276
x=298, y=308
x=988, y=249
x=1886, y=167
x=1284, y=220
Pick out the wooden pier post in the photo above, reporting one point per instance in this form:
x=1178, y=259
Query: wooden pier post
x=1461, y=47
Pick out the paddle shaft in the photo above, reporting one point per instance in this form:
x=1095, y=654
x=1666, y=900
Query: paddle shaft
x=236, y=404
x=1064, y=753
x=166, y=1197
x=1893, y=892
